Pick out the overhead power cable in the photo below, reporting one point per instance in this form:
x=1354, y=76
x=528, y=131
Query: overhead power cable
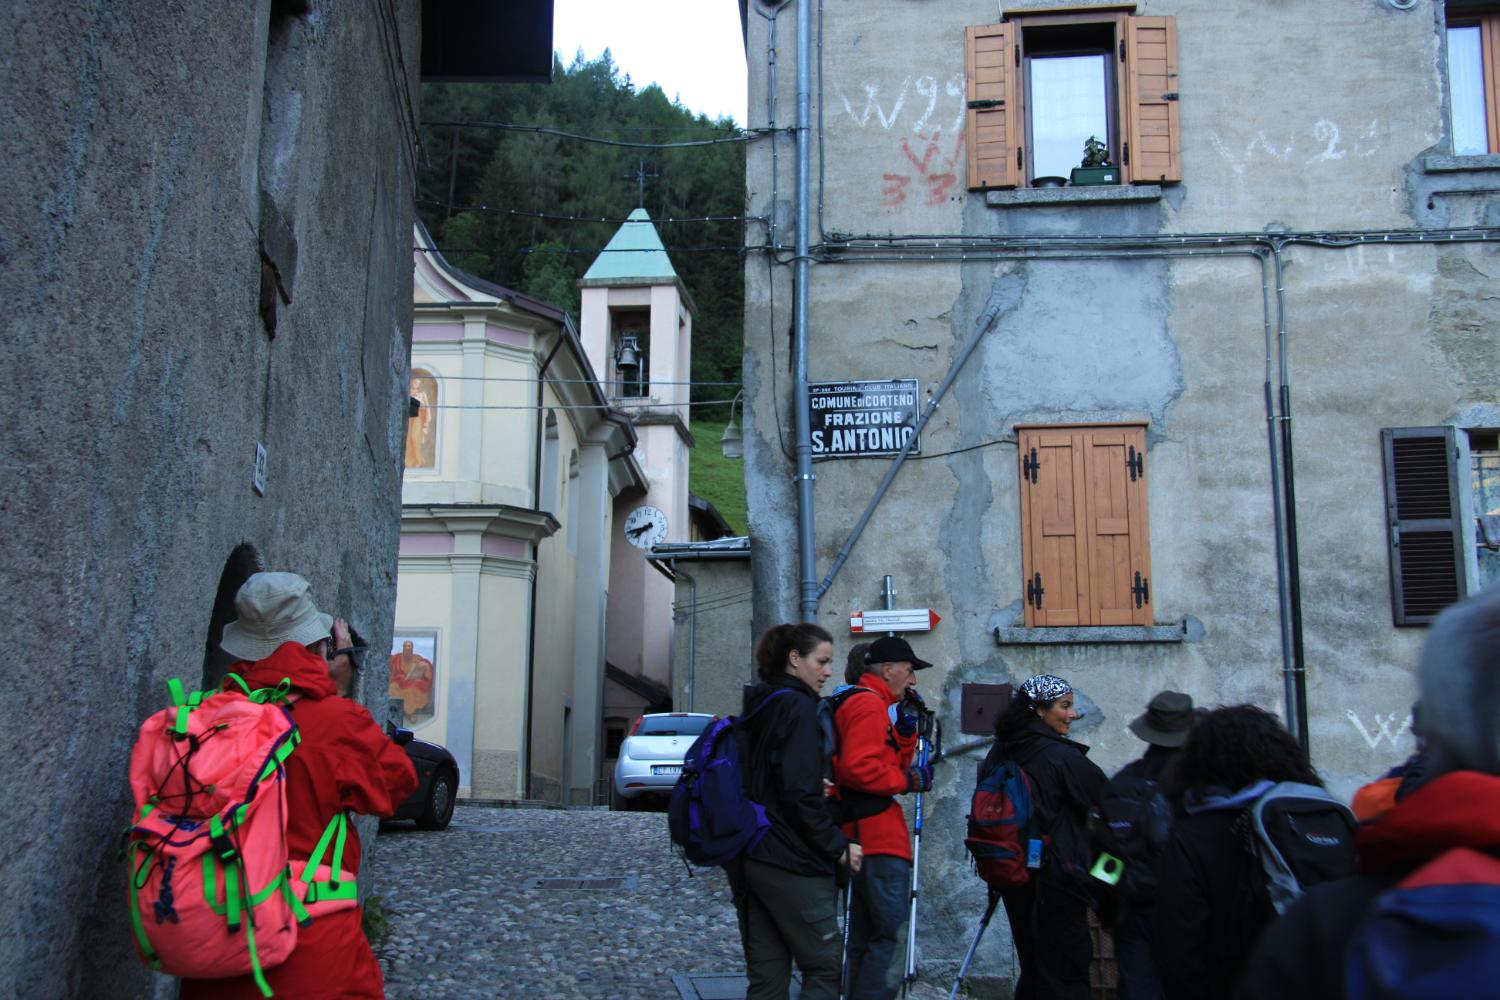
x=744, y=136
x=450, y=251
x=496, y=210
x=625, y=404
x=559, y=381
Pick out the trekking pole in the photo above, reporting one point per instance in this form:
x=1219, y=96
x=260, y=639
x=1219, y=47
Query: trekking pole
x=916, y=871
x=844, y=959
x=984, y=921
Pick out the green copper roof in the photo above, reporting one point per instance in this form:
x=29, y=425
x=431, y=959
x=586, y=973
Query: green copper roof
x=635, y=251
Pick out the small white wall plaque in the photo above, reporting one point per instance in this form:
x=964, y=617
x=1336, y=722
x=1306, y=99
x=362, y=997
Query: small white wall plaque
x=259, y=478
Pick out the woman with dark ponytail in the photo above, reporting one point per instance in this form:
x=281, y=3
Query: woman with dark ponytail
x=784, y=889
x=1049, y=916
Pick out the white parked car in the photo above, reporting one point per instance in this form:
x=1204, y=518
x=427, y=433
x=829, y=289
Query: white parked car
x=651, y=756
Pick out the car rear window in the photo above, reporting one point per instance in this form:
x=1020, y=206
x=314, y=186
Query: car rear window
x=673, y=725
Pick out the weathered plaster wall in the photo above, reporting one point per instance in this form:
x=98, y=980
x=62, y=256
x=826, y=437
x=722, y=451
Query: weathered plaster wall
x=140, y=380
x=719, y=646
x=1328, y=132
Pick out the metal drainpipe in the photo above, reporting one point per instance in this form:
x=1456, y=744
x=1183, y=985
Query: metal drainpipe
x=536, y=497
x=692, y=630
x=1283, y=597
x=807, y=555
x=1297, y=687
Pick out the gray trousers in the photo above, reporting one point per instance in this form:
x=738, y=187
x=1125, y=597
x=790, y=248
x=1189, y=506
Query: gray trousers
x=786, y=917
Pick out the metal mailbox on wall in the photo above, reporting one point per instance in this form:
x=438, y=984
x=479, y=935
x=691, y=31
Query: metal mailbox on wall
x=980, y=706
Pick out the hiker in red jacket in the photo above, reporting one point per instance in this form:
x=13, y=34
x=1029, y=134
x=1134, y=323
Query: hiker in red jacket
x=344, y=763
x=874, y=759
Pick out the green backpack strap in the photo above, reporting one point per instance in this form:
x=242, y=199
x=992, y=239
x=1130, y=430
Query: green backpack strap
x=184, y=701
x=320, y=890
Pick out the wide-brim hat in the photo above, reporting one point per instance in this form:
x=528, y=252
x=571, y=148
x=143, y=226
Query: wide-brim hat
x=1168, y=719
x=273, y=608
x=893, y=649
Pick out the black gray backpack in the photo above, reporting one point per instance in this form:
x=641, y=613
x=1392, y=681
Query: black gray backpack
x=1303, y=836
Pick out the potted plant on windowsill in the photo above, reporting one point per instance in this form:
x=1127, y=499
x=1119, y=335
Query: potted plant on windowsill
x=1096, y=168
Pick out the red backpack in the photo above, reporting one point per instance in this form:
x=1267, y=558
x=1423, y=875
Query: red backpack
x=1001, y=837
x=210, y=889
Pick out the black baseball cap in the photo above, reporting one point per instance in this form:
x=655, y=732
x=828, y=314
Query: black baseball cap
x=894, y=650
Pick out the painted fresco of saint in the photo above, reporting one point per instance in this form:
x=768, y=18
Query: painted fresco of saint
x=411, y=681
x=421, y=430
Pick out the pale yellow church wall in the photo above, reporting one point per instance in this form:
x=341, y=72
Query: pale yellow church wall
x=424, y=602
x=500, y=680
x=557, y=580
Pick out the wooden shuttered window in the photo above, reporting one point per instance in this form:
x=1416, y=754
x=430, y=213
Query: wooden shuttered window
x=1085, y=541
x=1424, y=531
x=1153, y=128
x=1146, y=111
x=994, y=121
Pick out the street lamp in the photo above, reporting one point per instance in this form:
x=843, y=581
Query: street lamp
x=733, y=441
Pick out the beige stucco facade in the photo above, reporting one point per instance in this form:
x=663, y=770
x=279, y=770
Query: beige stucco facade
x=504, y=555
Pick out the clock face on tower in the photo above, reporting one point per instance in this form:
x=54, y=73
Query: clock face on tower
x=645, y=526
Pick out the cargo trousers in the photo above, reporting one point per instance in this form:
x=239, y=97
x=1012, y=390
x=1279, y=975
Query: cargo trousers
x=785, y=917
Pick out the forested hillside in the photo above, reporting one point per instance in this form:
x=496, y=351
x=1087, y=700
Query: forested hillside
x=501, y=203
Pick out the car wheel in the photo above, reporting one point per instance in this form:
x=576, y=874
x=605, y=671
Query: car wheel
x=618, y=802
x=440, y=801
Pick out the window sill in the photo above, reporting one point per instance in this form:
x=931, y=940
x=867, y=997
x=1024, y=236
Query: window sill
x=1100, y=194
x=1189, y=629
x=1460, y=164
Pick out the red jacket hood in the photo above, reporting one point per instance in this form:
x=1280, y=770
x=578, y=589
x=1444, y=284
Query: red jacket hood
x=1458, y=809
x=307, y=671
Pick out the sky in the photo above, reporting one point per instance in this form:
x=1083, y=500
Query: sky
x=691, y=48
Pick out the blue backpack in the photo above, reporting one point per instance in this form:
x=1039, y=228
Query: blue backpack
x=1002, y=827
x=1436, y=933
x=711, y=818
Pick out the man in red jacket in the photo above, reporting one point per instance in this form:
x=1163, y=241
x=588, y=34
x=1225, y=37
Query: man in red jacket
x=875, y=758
x=345, y=763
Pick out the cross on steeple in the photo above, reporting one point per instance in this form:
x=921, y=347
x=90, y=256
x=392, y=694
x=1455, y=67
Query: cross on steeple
x=640, y=176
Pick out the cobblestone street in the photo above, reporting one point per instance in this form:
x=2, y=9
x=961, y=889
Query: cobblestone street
x=473, y=910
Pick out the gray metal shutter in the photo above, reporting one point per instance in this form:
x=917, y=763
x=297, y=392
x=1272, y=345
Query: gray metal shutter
x=1421, y=503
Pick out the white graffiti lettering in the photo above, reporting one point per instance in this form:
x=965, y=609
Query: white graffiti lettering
x=1383, y=724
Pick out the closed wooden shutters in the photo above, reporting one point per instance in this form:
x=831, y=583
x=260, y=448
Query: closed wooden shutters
x=1421, y=500
x=1085, y=539
x=993, y=115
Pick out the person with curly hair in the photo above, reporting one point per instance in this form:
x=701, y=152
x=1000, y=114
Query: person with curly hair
x=1210, y=904
x=1049, y=916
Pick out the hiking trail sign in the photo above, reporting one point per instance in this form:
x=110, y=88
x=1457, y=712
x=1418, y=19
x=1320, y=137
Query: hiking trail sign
x=899, y=620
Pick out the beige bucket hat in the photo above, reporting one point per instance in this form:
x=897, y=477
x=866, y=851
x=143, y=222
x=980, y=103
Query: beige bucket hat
x=273, y=608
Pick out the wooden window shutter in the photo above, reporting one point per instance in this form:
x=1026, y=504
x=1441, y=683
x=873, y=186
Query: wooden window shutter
x=1117, y=544
x=993, y=116
x=1154, y=129
x=1425, y=540
x=1053, y=522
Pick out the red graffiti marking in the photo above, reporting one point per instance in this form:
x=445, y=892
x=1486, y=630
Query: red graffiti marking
x=895, y=188
x=937, y=170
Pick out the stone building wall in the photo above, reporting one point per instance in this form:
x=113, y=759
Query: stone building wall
x=155, y=159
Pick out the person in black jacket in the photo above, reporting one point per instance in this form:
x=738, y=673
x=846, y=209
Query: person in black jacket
x=784, y=889
x=1164, y=726
x=1049, y=917
x=1211, y=903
